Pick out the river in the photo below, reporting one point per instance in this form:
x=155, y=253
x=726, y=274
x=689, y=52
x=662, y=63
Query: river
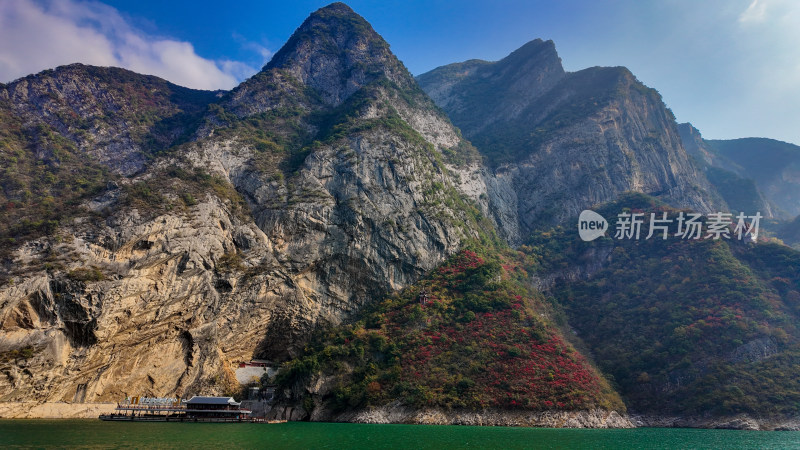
x=88, y=433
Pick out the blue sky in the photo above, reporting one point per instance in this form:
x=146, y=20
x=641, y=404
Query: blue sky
x=731, y=67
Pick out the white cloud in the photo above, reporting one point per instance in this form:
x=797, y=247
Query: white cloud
x=755, y=13
x=264, y=52
x=37, y=36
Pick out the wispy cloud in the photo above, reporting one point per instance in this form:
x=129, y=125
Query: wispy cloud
x=755, y=13
x=247, y=44
x=36, y=36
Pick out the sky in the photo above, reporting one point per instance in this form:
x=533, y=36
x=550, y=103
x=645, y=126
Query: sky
x=731, y=67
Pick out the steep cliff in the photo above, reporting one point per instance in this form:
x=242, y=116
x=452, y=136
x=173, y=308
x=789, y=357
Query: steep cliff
x=566, y=141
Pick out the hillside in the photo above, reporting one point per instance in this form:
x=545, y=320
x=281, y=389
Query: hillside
x=774, y=165
x=700, y=331
x=739, y=191
x=469, y=336
x=683, y=327
x=755, y=173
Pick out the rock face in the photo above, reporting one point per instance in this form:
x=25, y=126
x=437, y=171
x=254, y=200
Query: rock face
x=33, y=410
x=294, y=200
x=566, y=141
x=435, y=416
x=738, y=422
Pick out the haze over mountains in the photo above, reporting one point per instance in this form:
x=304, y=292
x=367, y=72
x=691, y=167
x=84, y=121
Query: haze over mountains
x=154, y=236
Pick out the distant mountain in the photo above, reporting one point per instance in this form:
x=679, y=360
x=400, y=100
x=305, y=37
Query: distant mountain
x=774, y=165
x=693, y=328
x=738, y=163
x=566, y=141
x=739, y=192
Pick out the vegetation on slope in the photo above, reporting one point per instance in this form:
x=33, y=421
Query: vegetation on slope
x=750, y=153
x=789, y=232
x=479, y=341
x=741, y=194
x=685, y=326
x=43, y=178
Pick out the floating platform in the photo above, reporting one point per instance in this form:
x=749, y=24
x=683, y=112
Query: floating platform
x=197, y=409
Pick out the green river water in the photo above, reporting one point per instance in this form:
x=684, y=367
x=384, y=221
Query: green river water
x=97, y=434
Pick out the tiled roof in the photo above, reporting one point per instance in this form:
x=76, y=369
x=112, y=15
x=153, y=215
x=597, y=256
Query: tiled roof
x=197, y=400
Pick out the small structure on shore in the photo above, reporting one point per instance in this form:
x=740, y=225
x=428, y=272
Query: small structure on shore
x=196, y=409
x=215, y=408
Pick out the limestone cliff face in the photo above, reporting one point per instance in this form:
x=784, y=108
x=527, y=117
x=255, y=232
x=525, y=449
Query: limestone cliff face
x=291, y=202
x=159, y=313
x=566, y=141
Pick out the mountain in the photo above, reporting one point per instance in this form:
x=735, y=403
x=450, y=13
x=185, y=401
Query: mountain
x=201, y=229
x=567, y=139
x=735, y=186
x=476, y=94
x=326, y=215
x=772, y=164
x=114, y=116
x=738, y=163
x=70, y=132
x=689, y=332
x=739, y=192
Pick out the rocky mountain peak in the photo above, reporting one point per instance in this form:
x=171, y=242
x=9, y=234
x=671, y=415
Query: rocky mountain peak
x=521, y=77
x=693, y=142
x=336, y=52
x=536, y=55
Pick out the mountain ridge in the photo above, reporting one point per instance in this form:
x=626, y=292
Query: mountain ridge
x=598, y=126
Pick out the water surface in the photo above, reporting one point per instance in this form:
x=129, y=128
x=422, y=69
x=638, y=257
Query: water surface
x=97, y=434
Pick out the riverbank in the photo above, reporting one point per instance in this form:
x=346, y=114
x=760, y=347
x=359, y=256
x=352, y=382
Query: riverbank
x=54, y=410
x=490, y=417
x=398, y=414
x=737, y=422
